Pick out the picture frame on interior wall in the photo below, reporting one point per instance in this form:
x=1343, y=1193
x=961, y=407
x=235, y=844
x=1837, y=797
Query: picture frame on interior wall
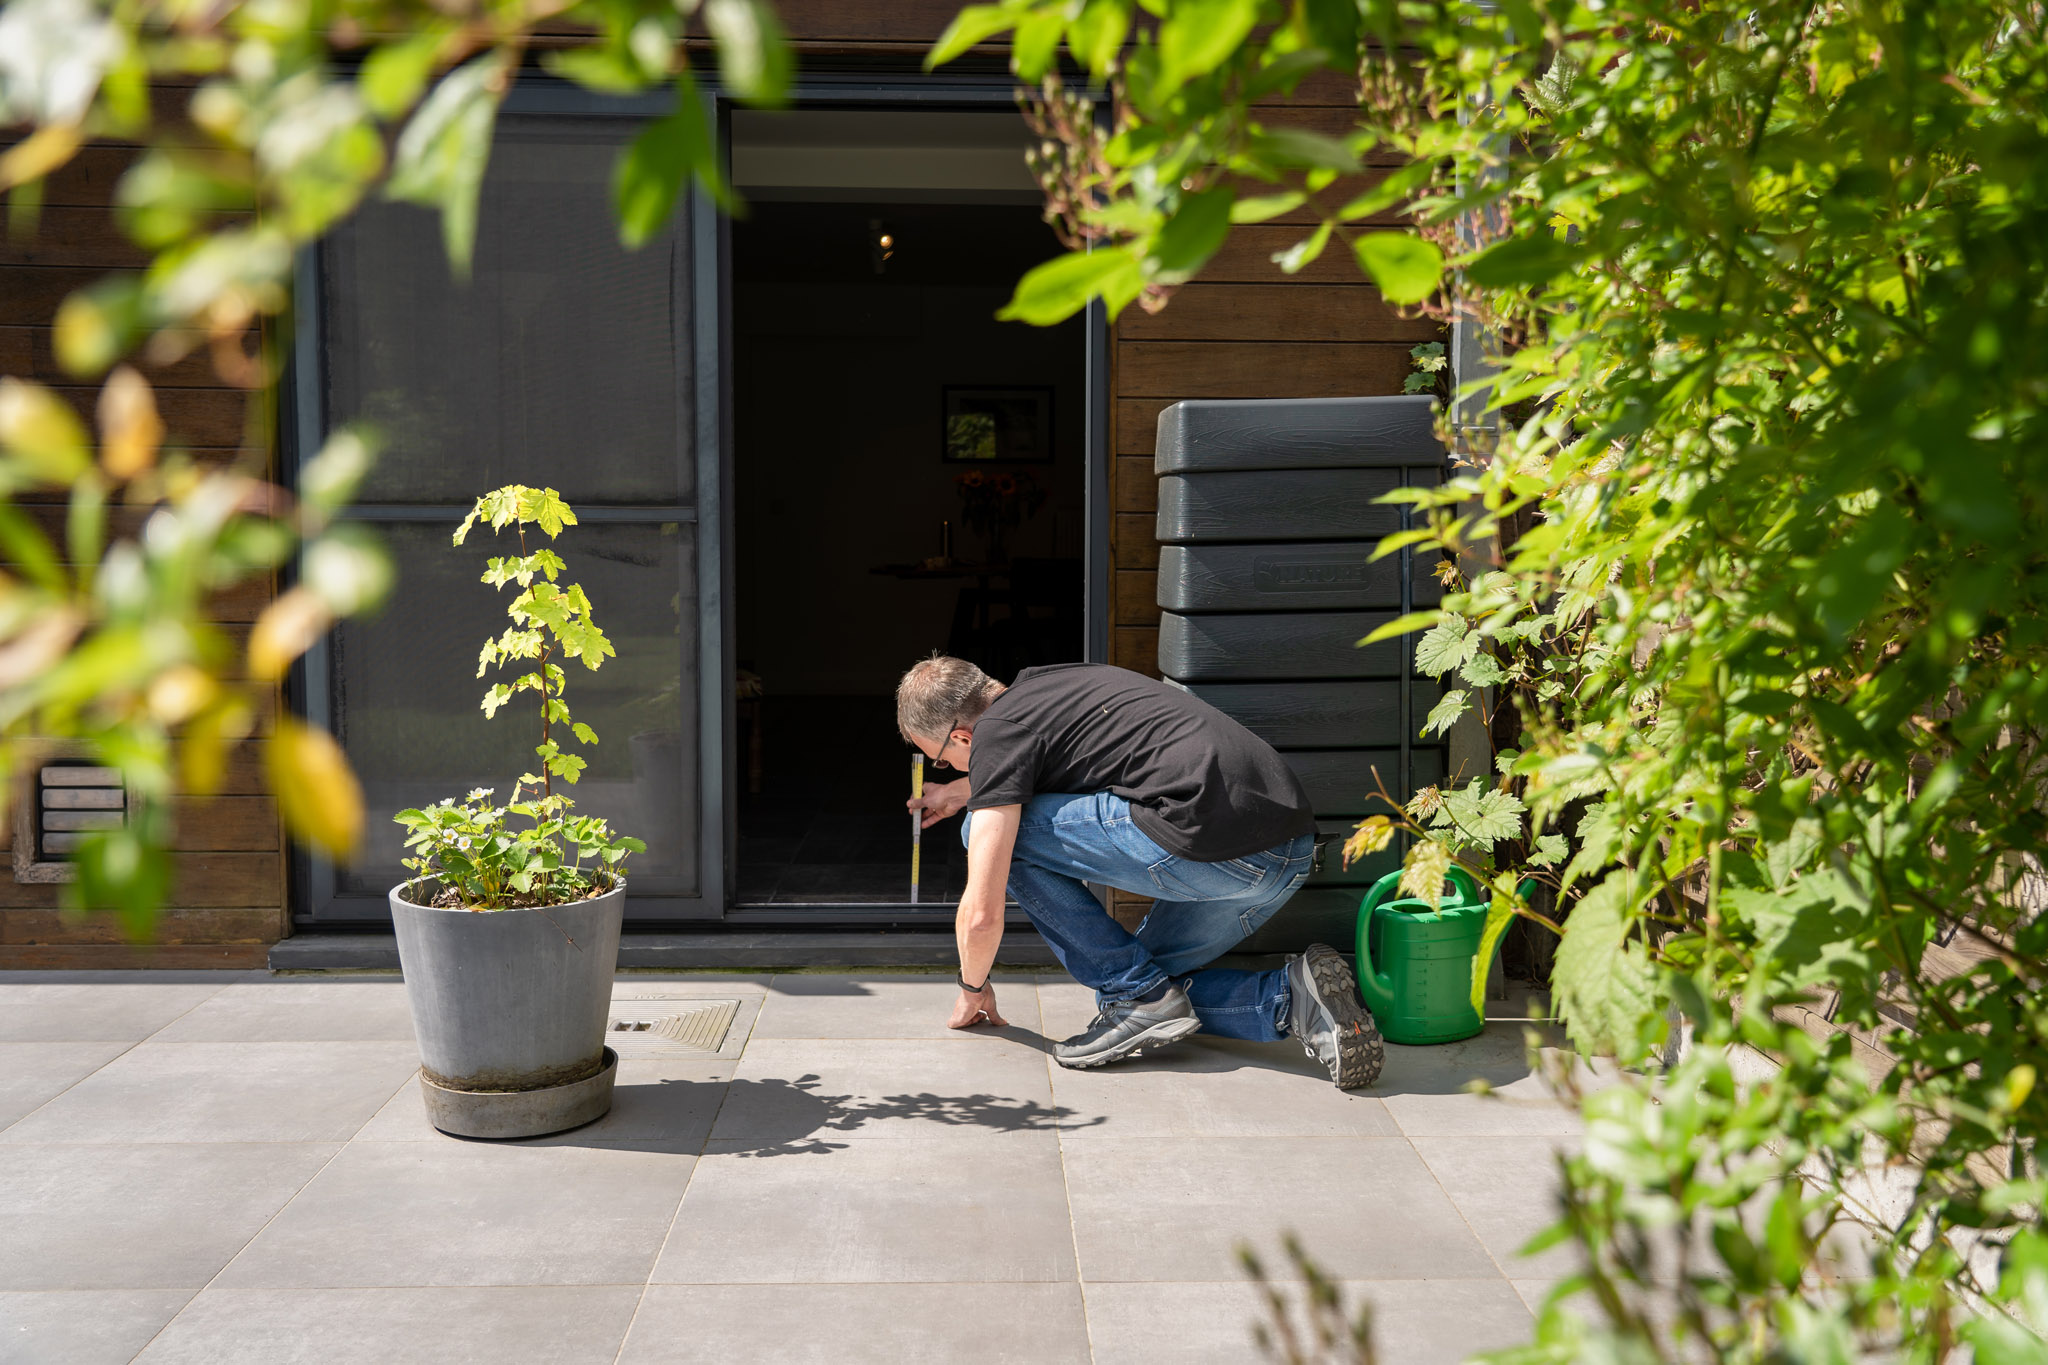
x=59, y=798
x=996, y=424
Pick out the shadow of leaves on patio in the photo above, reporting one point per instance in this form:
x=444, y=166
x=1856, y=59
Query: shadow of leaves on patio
x=792, y=1118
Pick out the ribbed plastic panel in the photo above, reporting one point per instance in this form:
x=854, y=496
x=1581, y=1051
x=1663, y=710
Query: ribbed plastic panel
x=1269, y=516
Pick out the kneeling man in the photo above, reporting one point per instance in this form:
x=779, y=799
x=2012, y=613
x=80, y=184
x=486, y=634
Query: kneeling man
x=1087, y=773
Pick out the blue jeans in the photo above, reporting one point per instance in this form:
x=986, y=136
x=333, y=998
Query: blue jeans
x=1199, y=912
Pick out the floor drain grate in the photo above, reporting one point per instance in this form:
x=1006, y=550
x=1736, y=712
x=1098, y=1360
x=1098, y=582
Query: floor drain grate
x=669, y=1028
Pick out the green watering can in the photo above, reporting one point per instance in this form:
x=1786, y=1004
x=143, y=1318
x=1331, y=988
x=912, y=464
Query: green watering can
x=1415, y=960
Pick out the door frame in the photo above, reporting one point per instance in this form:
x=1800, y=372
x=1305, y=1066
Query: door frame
x=885, y=91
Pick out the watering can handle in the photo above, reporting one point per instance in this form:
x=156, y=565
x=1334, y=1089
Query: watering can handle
x=1372, y=903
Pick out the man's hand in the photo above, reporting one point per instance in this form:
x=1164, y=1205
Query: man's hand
x=972, y=1008
x=940, y=801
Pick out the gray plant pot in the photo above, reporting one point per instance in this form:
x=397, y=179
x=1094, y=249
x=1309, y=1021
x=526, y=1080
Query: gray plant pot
x=510, y=1007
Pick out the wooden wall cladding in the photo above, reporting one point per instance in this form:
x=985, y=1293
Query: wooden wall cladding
x=228, y=895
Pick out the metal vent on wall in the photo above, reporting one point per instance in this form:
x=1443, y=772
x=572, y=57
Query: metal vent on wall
x=657, y=1029
x=60, y=806
x=1269, y=518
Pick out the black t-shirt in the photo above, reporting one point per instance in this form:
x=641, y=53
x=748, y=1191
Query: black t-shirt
x=1200, y=785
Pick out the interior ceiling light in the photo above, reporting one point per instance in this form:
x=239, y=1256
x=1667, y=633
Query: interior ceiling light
x=881, y=244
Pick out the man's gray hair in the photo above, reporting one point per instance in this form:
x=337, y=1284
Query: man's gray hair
x=940, y=693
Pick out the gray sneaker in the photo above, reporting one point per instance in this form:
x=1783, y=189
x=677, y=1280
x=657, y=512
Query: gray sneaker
x=1332, y=1023
x=1127, y=1027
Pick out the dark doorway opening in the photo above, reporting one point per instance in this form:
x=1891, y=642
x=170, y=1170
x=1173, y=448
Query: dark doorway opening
x=876, y=402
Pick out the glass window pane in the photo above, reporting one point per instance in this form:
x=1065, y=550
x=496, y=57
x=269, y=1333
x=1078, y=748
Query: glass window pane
x=406, y=694
x=556, y=365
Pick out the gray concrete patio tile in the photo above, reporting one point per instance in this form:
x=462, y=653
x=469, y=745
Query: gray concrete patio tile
x=789, y=1090
x=1534, y=1292
x=867, y=1212
x=527, y=1325
x=1177, y=1208
x=1415, y=1322
x=1506, y=1188
x=225, y=1092
x=880, y=1006
x=469, y=1213
x=667, y=1102
x=704, y=985
x=1065, y=1006
x=1215, y=1087
x=32, y=1073
x=1425, y=1088
x=859, y=1324
x=344, y=1009
x=143, y=1216
x=93, y=1012
x=83, y=1326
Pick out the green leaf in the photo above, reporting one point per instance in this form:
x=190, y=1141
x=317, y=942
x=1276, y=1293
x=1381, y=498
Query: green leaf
x=1096, y=36
x=1450, y=644
x=1405, y=267
x=1036, y=44
x=1388, y=192
x=1521, y=262
x=1197, y=36
x=1304, y=252
x=1402, y=625
x=394, y=74
x=1423, y=869
x=607, y=70
x=651, y=171
x=1483, y=670
x=1602, y=985
x=1189, y=238
x=583, y=732
x=1263, y=207
x=1445, y=713
x=1481, y=814
x=1062, y=287
x=1549, y=850
x=1500, y=913
x=753, y=55
x=972, y=25
x=1333, y=26
x=329, y=480
x=442, y=151
x=1300, y=149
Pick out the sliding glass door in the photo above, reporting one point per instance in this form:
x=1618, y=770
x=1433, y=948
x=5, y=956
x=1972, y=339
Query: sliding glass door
x=564, y=361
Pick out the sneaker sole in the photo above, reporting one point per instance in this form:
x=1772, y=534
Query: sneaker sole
x=1160, y=1034
x=1361, y=1052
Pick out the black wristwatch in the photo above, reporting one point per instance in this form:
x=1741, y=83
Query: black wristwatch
x=971, y=990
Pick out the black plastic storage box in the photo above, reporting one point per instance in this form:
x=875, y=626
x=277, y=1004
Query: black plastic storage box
x=1268, y=519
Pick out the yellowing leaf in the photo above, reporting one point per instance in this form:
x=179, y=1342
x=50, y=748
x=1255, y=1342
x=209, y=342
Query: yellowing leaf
x=130, y=429
x=41, y=152
x=39, y=429
x=317, y=791
x=177, y=694
x=203, y=754
x=285, y=630
x=1373, y=834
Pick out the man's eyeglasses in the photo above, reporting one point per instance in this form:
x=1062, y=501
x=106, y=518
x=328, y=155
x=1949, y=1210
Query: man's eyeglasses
x=940, y=757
